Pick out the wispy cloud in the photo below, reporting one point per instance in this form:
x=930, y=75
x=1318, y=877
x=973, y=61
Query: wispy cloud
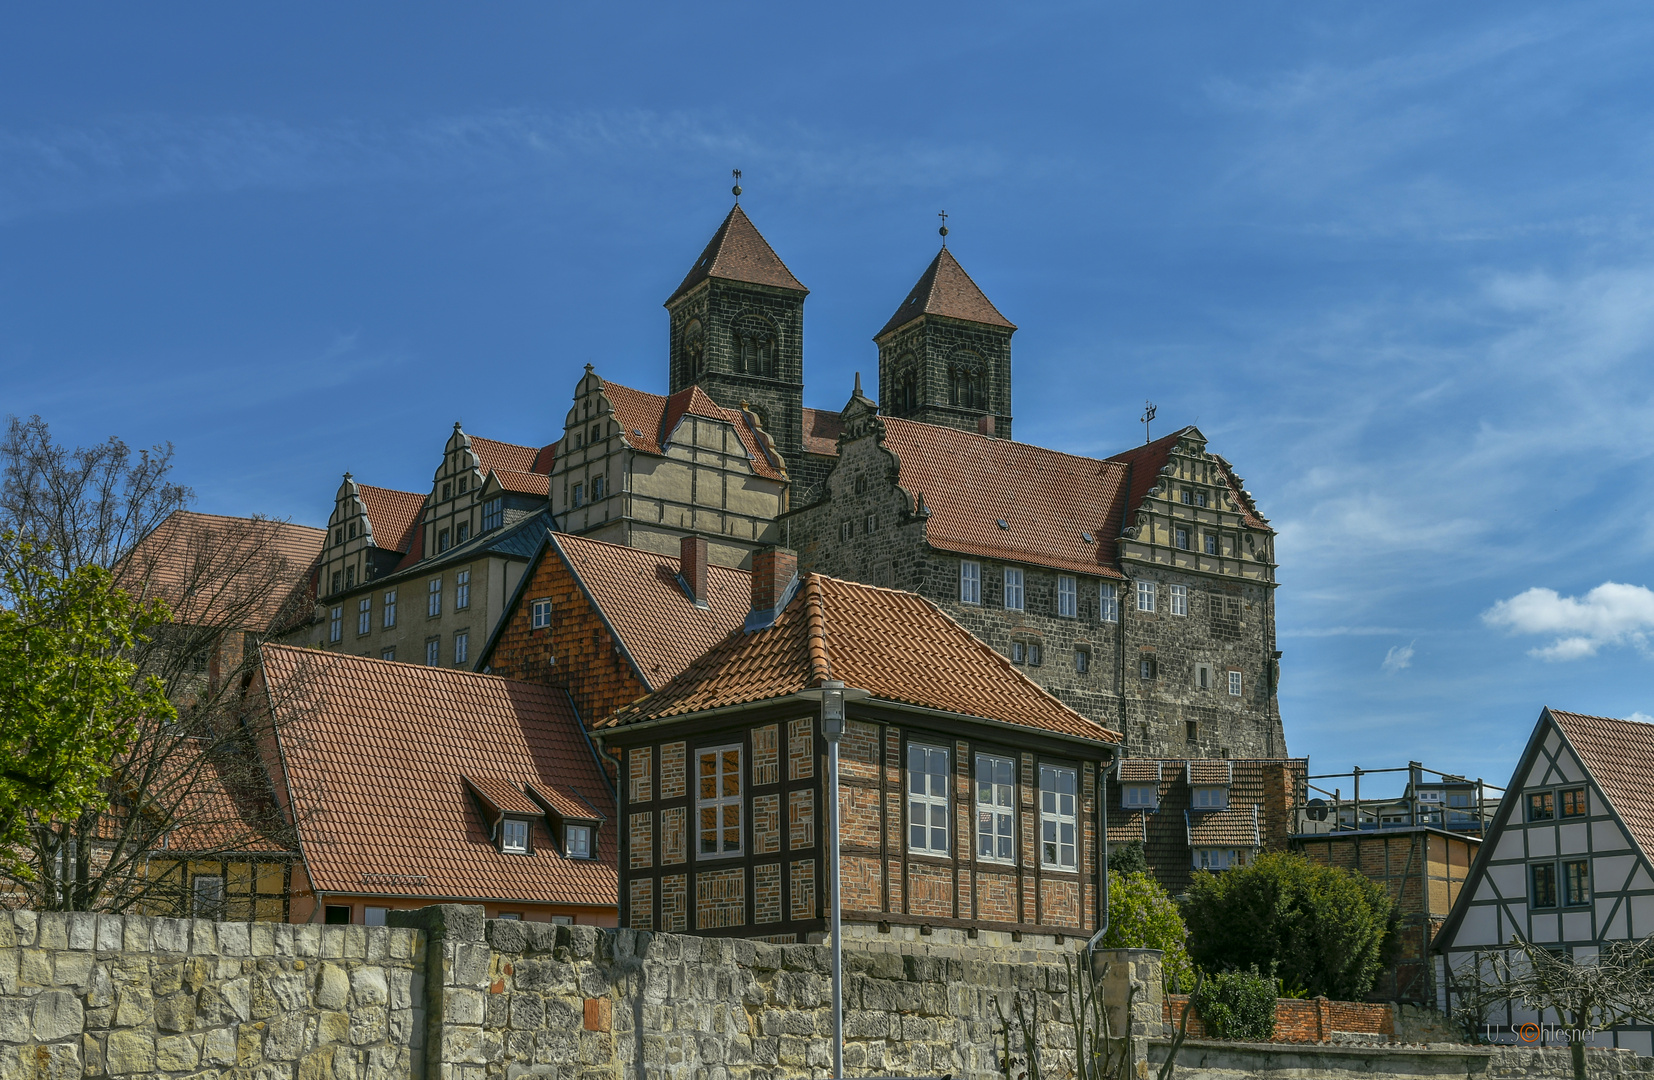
x=1398, y=658
x=1610, y=614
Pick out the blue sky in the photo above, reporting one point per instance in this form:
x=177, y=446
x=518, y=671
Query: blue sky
x=1396, y=261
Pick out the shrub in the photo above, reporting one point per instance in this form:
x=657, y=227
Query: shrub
x=1321, y=930
x=1141, y=915
x=1236, y=1005
x=1128, y=858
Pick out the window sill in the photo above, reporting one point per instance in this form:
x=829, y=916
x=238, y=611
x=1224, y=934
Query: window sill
x=1003, y=864
x=1044, y=869
x=721, y=856
x=930, y=856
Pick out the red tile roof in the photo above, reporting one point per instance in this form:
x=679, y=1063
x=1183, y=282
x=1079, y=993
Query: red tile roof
x=375, y=755
x=638, y=593
x=1617, y=754
x=392, y=515
x=501, y=795
x=545, y=459
x=897, y=645
x=1234, y=827
x=1145, y=463
x=523, y=483
x=210, y=567
x=649, y=420
x=738, y=252
x=1139, y=771
x=822, y=427
x=492, y=455
x=1209, y=772
x=1046, y=499
x=945, y=289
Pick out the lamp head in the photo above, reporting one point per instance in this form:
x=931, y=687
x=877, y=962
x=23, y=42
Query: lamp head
x=832, y=710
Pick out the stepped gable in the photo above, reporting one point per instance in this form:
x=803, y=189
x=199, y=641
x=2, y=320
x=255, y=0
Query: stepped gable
x=897, y=645
x=739, y=252
x=1147, y=460
x=822, y=427
x=377, y=755
x=1616, y=753
x=392, y=515
x=638, y=594
x=945, y=289
x=1047, y=499
x=649, y=420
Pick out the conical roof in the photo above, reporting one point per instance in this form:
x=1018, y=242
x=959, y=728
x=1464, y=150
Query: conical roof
x=739, y=252
x=945, y=289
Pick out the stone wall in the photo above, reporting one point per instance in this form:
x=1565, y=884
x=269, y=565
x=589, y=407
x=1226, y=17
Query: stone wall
x=1305, y=1020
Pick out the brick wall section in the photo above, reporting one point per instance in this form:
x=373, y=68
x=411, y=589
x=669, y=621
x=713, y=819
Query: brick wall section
x=1303, y=1021
x=576, y=652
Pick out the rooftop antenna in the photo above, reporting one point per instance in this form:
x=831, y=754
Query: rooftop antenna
x=737, y=188
x=1148, y=414
x=944, y=229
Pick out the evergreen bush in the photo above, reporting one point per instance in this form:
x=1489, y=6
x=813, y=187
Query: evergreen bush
x=1236, y=1005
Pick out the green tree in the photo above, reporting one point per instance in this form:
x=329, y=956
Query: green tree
x=1128, y=858
x=70, y=697
x=1142, y=915
x=1323, y=930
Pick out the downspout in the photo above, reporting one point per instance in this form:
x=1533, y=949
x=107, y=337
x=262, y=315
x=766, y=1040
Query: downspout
x=1102, y=834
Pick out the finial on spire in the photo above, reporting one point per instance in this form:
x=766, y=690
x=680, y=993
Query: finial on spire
x=944, y=229
x=737, y=188
x=858, y=385
x=1148, y=415
x=456, y=425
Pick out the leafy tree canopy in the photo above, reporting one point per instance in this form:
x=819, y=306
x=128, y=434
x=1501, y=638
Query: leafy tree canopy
x=1141, y=915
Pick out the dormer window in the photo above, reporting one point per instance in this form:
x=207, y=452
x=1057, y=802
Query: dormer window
x=493, y=513
x=1140, y=797
x=514, y=836
x=1210, y=798
x=577, y=841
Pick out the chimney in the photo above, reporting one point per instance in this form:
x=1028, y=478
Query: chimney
x=985, y=426
x=773, y=569
x=692, y=571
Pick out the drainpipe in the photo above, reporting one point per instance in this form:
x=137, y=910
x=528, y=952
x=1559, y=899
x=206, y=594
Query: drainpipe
x=1102, y=834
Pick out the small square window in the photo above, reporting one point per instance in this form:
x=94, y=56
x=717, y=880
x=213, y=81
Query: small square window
x=1216, y=859
x=1145, y=596
x=1541, y=806
x=577, y=841
x=1543, y=879
x=1068, y=596
x=540, y=614
x=970, y=582
x=1140, y=797
x=1146, y=667
x=514, y=836
x=1180, y=599
x=373, y=916
x=1234, y=684
x=1082, y=660
x=1013, y=588
x=1210, y=798
x=1573, y=802
x=1108, y=603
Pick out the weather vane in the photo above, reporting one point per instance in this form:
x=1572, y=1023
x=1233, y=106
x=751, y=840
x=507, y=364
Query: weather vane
x=737, y=188
x=944, y=229
x=1148, y=414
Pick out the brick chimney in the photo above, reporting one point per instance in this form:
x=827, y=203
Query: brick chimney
x=773, y=569
x=985, y=426
x=692, y=571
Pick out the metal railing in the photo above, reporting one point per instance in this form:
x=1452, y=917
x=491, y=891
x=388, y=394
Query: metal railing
x=1450, y=801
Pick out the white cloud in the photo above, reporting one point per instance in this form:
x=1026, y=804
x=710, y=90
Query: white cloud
x=1610, y=614
x=1398, y=658
x=1641, y=717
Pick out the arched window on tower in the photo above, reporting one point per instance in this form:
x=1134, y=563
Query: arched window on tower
x=907, y=393
x=694, y=349
x=967, y=382
x=754, y=346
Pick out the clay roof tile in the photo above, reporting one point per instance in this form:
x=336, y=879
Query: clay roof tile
x=739, y=252
x=945, y=289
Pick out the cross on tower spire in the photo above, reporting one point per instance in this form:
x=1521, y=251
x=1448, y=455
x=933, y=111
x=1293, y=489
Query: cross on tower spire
x=944, y=229
x=737, y=188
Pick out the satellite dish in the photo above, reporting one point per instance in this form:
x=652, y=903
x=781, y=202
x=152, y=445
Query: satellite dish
x=1316, y=809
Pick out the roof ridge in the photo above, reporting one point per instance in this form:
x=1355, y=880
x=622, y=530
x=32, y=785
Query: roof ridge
x=821, y=663
x=1002, y=442
x=634, y=550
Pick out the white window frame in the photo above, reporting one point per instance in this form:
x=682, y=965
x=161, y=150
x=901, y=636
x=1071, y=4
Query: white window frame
x=996, y=810
x=207, y=896
x=1016, y=591
x=1108, y=603
x=1068, y=596
x=539, y=614
x=927, y=802
x=970, y=581
x=1059, y=817
x=1209, y=543
x=1235, y=684
x=388, y=653
x=433, y=597
x=1217, y=858
x=374, y=916
x=1209, y=797
x=364, y=615
x=1140, y=796
x=720, y=804
x=1145, y=596
x=1082, y=661
x=514, y=836
x=1180, y=599
x=584, y=849
x=462, y=646
x=462, y=590
x=390, y=609
x=1180, y=539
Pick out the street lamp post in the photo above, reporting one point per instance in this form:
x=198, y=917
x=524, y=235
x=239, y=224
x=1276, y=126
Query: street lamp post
x=832, y=726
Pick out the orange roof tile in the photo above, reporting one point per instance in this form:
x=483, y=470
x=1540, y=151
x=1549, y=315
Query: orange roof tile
x=738, y=252
x=822, y=427
x=945, y=289
x=1235, y=827
x=392, y=515
x=493, y=454
x=1139, y=771
x=208, y=567
x=544, y=459
x=501, y=795
x=375, y=756
x=566, y=802
x=638, y=593
x=1046, y=499
x=1145, y=463
x=1209, y=772
x=523, y=483
x=1617, y=753
x=649, y=420
x=896, y=645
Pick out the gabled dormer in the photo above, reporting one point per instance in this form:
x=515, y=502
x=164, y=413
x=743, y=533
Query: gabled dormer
x=508, y=815
x=572, y=821
x=1209, y=783
x=1140, y=781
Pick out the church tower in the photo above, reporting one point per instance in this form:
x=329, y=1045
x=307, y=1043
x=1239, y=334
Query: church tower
x=737, y=331
x=945, y=356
